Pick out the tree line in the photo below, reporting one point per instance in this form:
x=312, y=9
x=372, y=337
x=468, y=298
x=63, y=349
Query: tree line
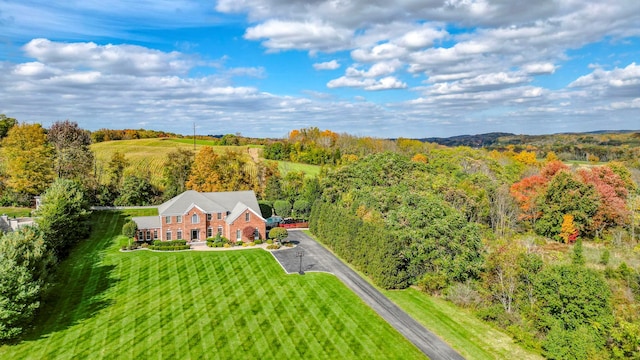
x=475, y=226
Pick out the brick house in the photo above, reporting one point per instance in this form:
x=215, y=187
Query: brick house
x=195, y=216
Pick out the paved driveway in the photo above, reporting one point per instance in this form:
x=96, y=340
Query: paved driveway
x=317, y=258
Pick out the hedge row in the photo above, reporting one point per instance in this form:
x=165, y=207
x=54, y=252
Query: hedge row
x=160, y=243
x=170, y=248
x=369, y=247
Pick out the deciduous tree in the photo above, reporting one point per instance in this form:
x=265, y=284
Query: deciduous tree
x=115, y=169
x=175, y=173
x=282, y=208
x=28, y=157
x=129, y=229
x=73, y=157
x=137, y=191
x=6, y=123
x=204, y=174
x=568, y=231
x=566, y=194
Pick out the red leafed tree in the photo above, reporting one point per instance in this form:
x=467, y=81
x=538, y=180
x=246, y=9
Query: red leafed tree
x=525, y=192
x=552, y=168
x=612, y=210
x=249, y=233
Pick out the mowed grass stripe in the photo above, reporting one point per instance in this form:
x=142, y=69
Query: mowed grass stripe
x=224, y=305
x=318, y=312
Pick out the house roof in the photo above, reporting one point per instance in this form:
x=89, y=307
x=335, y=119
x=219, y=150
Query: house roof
x=147, y=222
x=239, y=210
x=210, y=202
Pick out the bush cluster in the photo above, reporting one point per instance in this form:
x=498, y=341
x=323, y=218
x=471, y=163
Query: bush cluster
x=170, y=248
x=171, y=245
x=217, y=241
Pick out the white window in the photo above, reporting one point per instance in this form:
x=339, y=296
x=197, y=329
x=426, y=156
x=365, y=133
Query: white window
x=247, y=216
x=238, y=234
x=195, y=219
x=148, y=235
x=168, y=235
x=209, y=232
x=208, y=217
x=155, y=234
x=219, y=216
x=179, y=219
x=220, y=230
x=179, y=235
x=167, y=219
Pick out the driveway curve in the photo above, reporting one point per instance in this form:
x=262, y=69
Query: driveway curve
x=317, y=258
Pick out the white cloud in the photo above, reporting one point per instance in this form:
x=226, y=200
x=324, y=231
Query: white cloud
x=288, y=35
x=616, y=78
x=376, y=70
x=116, y=59
x=329, y=65
x=539, y=68
x=386, y=83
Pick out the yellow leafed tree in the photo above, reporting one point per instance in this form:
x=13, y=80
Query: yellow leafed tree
x=28, y=158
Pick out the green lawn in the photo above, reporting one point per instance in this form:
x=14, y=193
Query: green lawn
x=458, y=327
x=218, y=305
x=287, y=166
x=15, y=211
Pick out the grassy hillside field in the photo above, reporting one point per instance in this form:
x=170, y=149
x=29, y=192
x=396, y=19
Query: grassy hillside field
x=147, y=156
x=199, y=305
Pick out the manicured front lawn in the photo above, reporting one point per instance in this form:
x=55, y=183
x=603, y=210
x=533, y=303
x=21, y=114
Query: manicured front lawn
x=224, y=305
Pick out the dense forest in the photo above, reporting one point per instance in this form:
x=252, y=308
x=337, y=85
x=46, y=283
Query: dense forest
x=537, y=235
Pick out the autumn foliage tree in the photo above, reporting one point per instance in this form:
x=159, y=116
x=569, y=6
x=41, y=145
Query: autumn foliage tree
x=568, y=231
x=526, y=193
x=204, y=173
x=612, y=190
x=28, y=159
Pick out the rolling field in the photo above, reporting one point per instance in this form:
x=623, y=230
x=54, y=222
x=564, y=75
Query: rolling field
x=199, y=305
x=147, y=156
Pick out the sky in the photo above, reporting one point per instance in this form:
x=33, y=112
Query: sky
x=261, y=68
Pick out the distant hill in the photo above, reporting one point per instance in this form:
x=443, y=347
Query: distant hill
x=476, y=141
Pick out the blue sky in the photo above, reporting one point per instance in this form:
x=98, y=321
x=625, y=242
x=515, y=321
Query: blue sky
x=378, y=68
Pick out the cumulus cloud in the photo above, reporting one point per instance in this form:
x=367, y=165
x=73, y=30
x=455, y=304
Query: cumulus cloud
x=116, y=59
x=288, y=35
x=386, y=83
x=616, y=78
x=329, y=65
x=476, y=62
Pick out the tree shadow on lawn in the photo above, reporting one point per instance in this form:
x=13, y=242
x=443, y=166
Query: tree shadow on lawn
x=80, y=285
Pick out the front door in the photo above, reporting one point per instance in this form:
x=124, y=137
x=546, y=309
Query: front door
x=194, y=235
